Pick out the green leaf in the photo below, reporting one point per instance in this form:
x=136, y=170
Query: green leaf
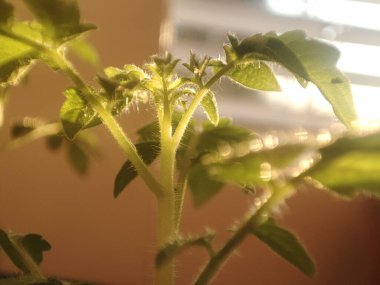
x=78, y=158
x=75, y=114
x=148, y=152
x=15, y=57
x=349, y=166
x=85, y=51
x=6, y=13
x=256, y=168
x=20, y=248
x=60, y=17
x=211, y=108
x=203, y=186
x=286, y=245
x=212, y=136
x=309, y=60
x=177, y=246
x=201, y=179
x=254, y=75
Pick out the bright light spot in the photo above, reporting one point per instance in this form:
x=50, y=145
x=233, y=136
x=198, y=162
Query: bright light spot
x=299, y=98
x=224, y=150
x=352, y=13
x=324, y=137
x=367, y=102
x=266, y=171
x=306, y=164
x=242, y=148
x=359, y=58
x=270, y=141
x=290, y=7
x=302, y=135
x=255, y=145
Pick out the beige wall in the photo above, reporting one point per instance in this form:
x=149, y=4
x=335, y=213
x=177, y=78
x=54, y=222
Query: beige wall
x=98, y=238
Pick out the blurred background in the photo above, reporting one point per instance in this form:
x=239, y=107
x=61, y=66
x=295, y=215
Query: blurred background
x=103, y=240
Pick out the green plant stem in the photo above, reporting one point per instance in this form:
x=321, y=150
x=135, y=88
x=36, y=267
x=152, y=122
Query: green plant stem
x=170, y=205
x=280, y=193
x=117, y=132
x=166, y=203
x=165, y=273
x=178, y=203
x=183, y=171
x=113, y=126
x=183, y=123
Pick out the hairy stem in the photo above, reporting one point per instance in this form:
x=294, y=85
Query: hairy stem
x=166, y=205
x=113, y=126
x=179, y=199
x=165, y=273
x=117, y=132
x=280, y=193
x=183, y=123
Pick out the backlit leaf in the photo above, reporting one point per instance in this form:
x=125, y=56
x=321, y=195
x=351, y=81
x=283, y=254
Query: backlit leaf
x=148, y=151
x=309, y=60
x=225, y=132
x=254, y=75
x=60, y=17
x=350, y=166
x=211, y=108
x=286, y=244
x=258, y=167
x=15, y=57
x=75, y=114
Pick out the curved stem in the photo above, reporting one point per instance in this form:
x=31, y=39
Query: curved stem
x=182, y=125
x=253, y=220
x=110, y=122
x=117, y=132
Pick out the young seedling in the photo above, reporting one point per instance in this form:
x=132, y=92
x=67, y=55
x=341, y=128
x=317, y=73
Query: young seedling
x=193, y=155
